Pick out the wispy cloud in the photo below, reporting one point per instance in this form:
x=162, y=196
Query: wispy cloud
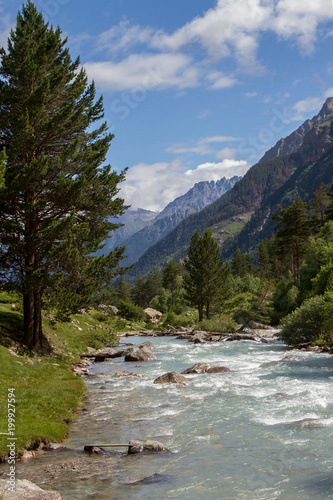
x=202, y=146
x=301, y=109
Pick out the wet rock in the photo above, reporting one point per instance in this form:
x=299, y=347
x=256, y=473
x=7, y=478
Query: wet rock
x=81, y=369
x=141, y=353
x=171, y=378
x=205, y=368
x=148, y=445
x=147, y=344
x=28, y=455
x=54, y=447
x=197, y=368
x=218, y=369
x=94, y=450
x=241, y=336
x=25, y=490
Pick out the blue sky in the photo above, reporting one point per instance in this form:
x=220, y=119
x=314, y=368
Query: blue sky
x=195, y=89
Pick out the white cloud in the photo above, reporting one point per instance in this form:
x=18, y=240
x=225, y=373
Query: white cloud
x=232, y=29
x=154, y=186
x=299, y=20
x=147, y=71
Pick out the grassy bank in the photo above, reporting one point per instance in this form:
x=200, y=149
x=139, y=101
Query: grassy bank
x=47, y=392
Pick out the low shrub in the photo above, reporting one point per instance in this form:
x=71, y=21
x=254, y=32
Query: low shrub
x=129, y=310
x=305, y=324
x=221, y=324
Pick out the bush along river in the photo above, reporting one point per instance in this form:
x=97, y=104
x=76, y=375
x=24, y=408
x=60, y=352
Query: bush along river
x=261, y=431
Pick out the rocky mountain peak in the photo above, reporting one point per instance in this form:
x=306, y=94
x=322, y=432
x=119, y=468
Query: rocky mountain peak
x=291, y=143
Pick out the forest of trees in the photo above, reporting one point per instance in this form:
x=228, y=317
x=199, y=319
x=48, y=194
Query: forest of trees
x=288, y=283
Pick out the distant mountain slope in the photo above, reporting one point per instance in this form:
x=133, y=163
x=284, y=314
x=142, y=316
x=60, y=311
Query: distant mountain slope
x=133, y=220
x=202, y=194
x=242, y=215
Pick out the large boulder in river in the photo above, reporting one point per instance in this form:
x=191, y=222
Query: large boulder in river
x=25, y=490
x=139, y=354
x=148, y=445
x=171, y=378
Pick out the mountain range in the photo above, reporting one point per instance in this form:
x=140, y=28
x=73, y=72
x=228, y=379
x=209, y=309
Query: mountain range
x=143, y=228
x=295, y=166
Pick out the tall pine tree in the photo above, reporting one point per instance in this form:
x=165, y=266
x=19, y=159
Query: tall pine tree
x=205, y=275
x=57, y=196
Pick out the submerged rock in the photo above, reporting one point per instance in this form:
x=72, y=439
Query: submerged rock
x=154, y=478
x=25, y=490
x=171, y=378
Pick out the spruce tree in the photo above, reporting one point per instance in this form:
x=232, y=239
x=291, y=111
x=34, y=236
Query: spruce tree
x=57, y=195
x=294, y=230
x=205, y=275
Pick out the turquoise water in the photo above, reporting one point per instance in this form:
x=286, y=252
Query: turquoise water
x=262, y=431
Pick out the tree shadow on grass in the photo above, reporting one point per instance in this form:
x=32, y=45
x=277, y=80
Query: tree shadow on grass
x=11, y=332
x=11, y=328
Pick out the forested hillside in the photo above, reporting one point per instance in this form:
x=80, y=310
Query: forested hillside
x=255, y=197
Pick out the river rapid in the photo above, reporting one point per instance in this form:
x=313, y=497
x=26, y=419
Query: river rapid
x=262, y=431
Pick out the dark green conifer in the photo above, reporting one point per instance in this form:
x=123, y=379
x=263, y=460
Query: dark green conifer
x=205, y=275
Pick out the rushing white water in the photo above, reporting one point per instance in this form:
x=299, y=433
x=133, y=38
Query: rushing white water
x=262, y=431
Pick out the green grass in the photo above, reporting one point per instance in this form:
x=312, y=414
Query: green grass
x=47, y=396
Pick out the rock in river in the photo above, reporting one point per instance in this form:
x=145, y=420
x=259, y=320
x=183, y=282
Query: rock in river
x=139, y=354
x=171, y=377
x=149, y=445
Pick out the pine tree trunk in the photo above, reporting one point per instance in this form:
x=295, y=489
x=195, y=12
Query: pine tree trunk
x=37, y=319
x=208, y=310
x=29, y=319
x=200, y=310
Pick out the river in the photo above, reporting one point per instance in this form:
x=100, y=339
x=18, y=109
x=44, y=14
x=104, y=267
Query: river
x=262, y=431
